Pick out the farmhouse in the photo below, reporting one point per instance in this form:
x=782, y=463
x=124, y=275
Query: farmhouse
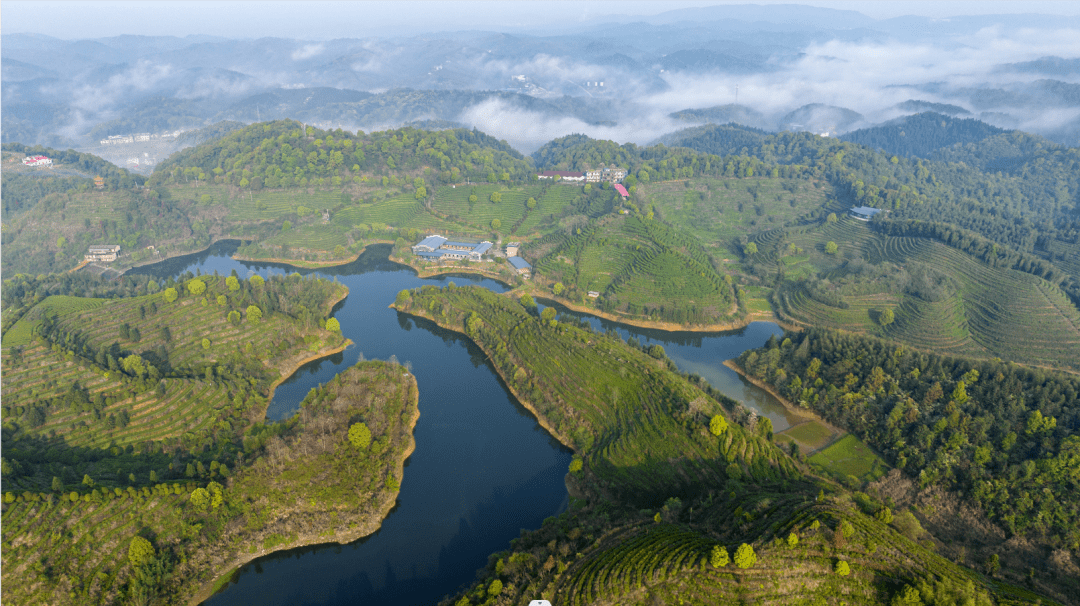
x=864, y=213
x=569, y=177
x=437, y=248
x=37, y=161
x=512, y=249
x=104, y=253
x=521, y=265
x=611, y=174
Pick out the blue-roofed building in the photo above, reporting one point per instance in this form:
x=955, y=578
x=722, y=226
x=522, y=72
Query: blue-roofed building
x=438, y=248
x=521, y=265
x=864, y=213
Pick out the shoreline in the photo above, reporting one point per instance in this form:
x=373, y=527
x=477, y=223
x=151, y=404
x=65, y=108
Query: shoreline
x=209, y=588
x=805, y=413
x=543, y=422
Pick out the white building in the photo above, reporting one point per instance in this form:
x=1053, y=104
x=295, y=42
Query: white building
x=37, y=161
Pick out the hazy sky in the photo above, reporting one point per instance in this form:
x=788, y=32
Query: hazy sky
x=327, y=20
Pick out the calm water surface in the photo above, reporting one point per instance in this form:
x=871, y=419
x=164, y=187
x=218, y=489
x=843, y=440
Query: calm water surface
x=483, y=468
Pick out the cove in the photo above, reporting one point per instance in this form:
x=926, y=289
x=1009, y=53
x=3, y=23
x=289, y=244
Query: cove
x=483, y=468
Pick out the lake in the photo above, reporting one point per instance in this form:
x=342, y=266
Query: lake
x=483, y=468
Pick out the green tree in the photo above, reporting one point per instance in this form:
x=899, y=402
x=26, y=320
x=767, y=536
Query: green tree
x=792, y=540
x=993, y=565
x=170, y=294
x=718, y=425
x=527, y=301
x=232, y=283
x=558, y=288
x=887, y=317
x=57, y=484
x=495, y=588
x=61, y=241
x=333, y=325
x=140, y=551
x=254, y=314
x=842, y=568
x=473, y=199
x=200, y=499
x=885, y=515
x=576, y=464
x=531, y=203
x=495, y=197
x=745, y=556
x=830, y=247
x=359, y=436
x=548, y=315
x=196, y=287
x=719, y=557
x=421, y=193
x=257, y=280
x=831, y=218
x=750, y=249
x=222, y=301
x=496, y=224
x=847, y=529
x=286, y=226
x=657, y=351
x=205, y=343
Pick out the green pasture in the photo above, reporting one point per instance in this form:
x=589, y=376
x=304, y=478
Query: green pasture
x=849, y=456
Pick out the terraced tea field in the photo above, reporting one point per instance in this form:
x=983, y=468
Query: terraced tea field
x=193, y=397
x=992, y=313
x=718, y=211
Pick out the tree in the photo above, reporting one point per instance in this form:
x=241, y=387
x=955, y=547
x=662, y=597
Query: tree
x=496, y=224
x=205, y=343
x=558, y=288
x=254, y=314
x=200, y=499
x=548, y=315
x=531, y=203
x=745, y=556
x=286, y=226
x=830, y=247
x=495, y=588
x=421, y=193
x=576, y=464
x=657, y=351
x=887, y=317
x=719, y=557
x=257, y=280
x=473, y=199
x=527, y=301
x=718, y=425
x=842, y=568
x=196, y=287
x=140, y=551
x=993, y=564
x=847, y=529
x=232, y=283
x=57, y=484
x=792, y=540
x=170, y=294
x=495, y=197
x=750, y=249
x=333, y=325
x=831, y=218
x=359, y=436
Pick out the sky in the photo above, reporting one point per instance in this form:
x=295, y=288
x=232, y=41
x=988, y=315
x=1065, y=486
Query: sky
x=322, y=20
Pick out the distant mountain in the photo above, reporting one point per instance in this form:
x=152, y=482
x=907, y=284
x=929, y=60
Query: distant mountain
x=1051, y=66
x=12, y=70
x=922, y=134
x=281, y=103
x=820, y=118
x=917, y=106
x=722, y=114
x=719, y=139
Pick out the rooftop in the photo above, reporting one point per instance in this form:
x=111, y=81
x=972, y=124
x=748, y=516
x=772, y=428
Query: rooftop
x=519, y=263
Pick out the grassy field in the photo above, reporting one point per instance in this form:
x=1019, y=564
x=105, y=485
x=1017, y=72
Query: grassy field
x=849, y=456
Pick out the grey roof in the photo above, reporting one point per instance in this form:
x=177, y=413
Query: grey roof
x=519, y=263
x=868, y=211
x=434, y=254
x=482, y=248
x=460, y=244
x=432, y=242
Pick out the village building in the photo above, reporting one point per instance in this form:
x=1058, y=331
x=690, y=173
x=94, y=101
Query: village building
x=37, y=161
x=611, y=174
x=564, y=176
x=521, y=265
x=512, y=249
x=438, y=248
x=103, y=253
x=594, y=294
x=864, y=213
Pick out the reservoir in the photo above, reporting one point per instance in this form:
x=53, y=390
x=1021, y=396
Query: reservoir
x=483, y=468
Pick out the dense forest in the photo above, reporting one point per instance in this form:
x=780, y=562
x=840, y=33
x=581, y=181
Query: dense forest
x=922, y=134
x=1001, y=434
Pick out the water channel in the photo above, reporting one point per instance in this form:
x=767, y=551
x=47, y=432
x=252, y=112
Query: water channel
x=483, y=469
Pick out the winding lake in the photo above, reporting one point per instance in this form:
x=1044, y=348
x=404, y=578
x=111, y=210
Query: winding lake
x=483, y=469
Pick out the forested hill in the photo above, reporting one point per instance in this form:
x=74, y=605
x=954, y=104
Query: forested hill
x=720, y=139
x=1014, y=189
x=922, y=134
x=286, y=154
x=23, y=188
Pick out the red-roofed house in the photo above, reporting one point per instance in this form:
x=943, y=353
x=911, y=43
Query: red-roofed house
x=622, y=190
